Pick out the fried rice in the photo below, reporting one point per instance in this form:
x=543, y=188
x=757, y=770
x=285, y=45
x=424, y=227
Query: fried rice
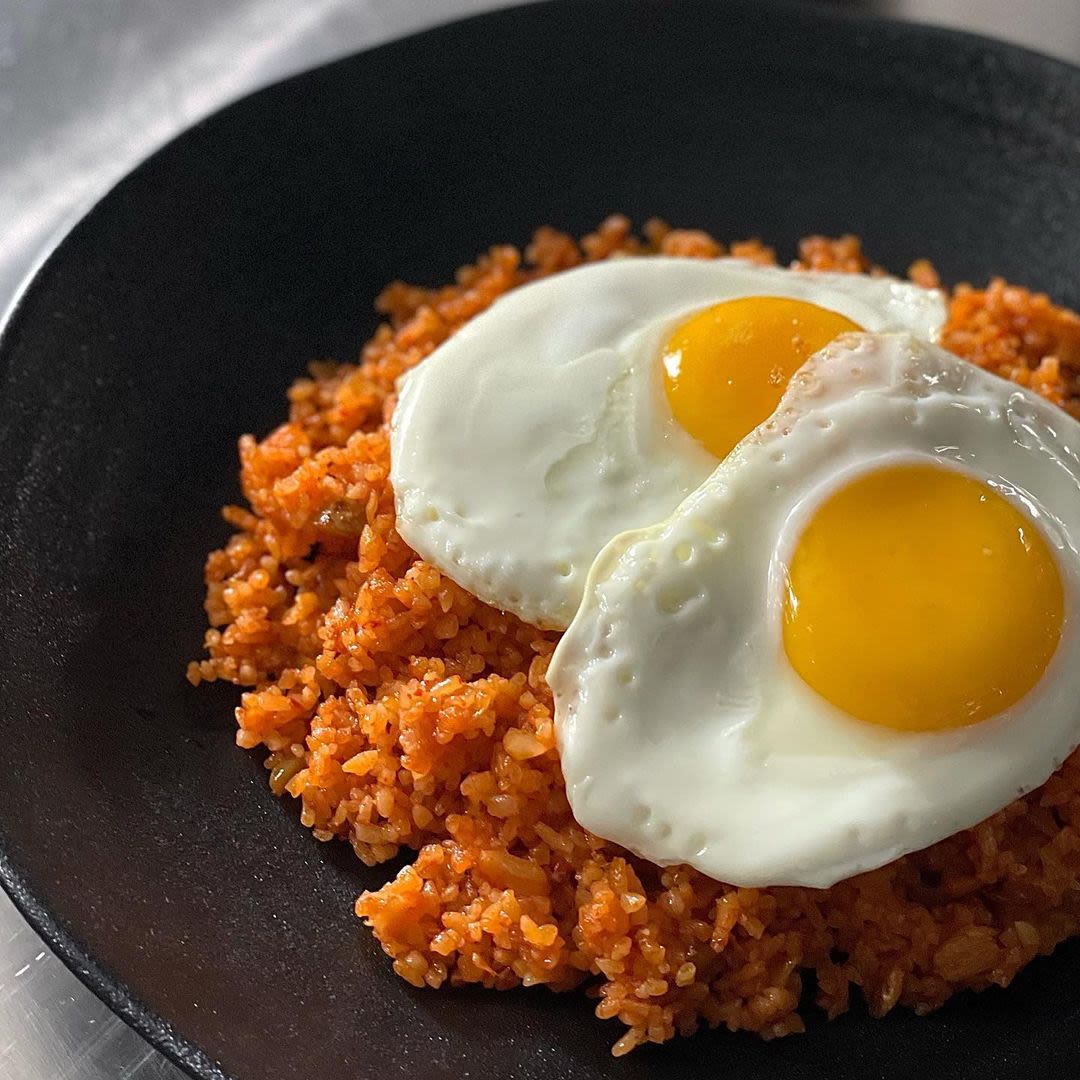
x=404, y=713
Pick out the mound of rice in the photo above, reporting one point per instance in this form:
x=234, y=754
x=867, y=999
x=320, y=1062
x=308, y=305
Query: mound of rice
x=403, y=712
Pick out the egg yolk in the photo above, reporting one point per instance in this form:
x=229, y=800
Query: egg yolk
x=726, y=367
x=919, y=598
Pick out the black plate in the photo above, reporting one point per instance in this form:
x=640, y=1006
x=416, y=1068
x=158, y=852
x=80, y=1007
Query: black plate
x=136, y=838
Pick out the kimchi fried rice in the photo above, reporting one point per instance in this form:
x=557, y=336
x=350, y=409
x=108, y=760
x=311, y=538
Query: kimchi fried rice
x=403, y=712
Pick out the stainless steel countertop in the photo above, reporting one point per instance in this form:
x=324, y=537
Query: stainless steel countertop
x=87, y=90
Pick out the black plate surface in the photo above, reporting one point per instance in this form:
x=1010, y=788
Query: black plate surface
x=138, y=840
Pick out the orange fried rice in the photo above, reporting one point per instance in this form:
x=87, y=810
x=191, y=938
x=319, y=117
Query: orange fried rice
x=403, y=712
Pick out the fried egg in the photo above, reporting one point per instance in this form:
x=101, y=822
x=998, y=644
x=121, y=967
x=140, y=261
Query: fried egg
x=857, y=637
x=594, y=401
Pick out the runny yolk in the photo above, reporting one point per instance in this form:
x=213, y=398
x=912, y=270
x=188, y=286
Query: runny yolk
x=726, y=367
x=921, y=599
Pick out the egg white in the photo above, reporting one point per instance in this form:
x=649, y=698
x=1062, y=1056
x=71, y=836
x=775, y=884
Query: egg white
x=684, y=733
x=541, y=429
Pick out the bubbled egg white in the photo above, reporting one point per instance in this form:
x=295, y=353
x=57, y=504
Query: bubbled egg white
x=541, y=429
x=684, y=733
